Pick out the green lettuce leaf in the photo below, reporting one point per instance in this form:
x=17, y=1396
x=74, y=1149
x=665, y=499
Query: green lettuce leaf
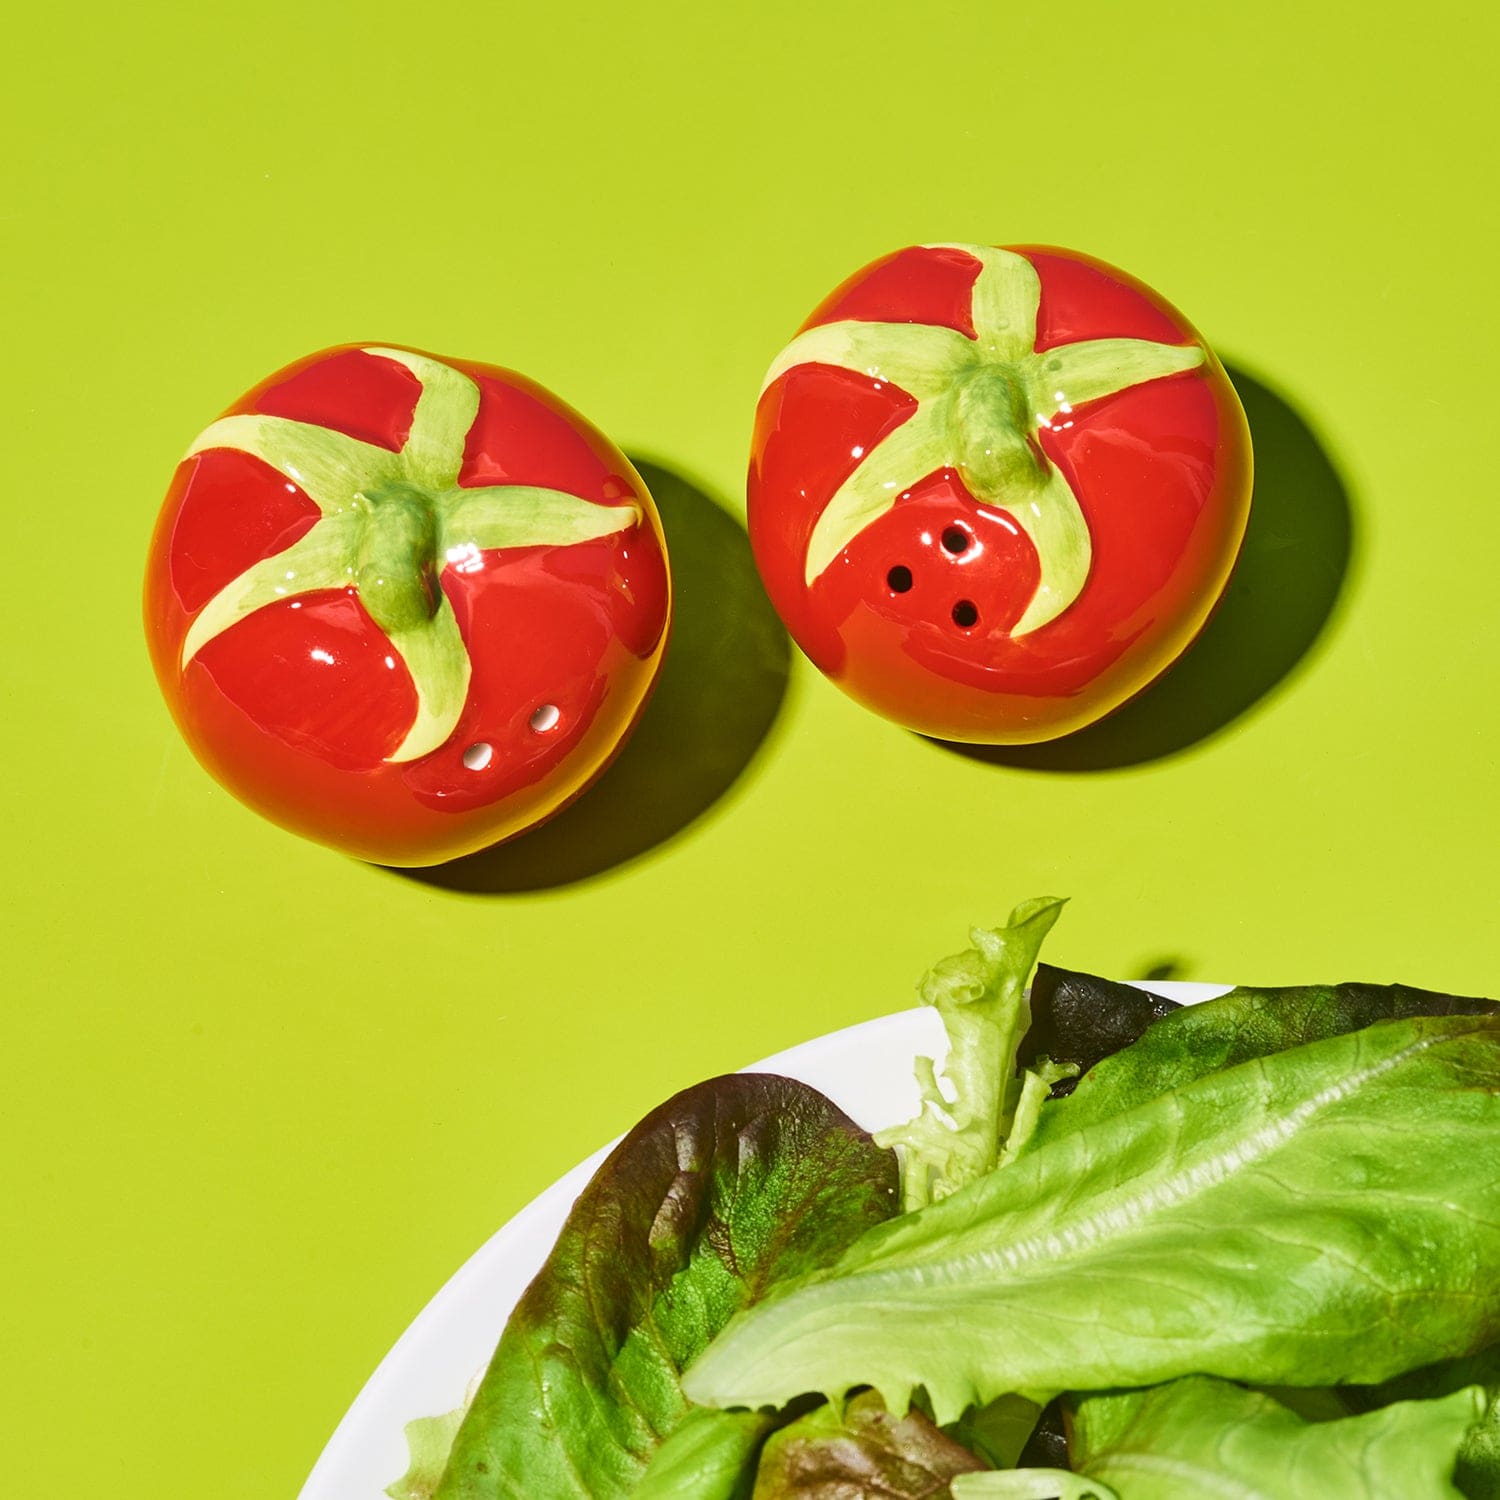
x=1478, y=1471
x=712, y=1455
x=1033, y=1484
x=1192, y=1041
x=1202, y=1439
x=1311, y=1217
x=1004, y=1430
x=429, y=1441
x=966, y=1111
x=720, y=1193
x=861, y=1452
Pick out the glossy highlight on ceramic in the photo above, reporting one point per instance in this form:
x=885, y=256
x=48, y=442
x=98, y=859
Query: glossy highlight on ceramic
x=994, y=493
x=403, y=605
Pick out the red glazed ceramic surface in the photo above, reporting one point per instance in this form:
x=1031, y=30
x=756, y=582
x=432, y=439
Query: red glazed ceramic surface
x=405, y=606
x=994, y=493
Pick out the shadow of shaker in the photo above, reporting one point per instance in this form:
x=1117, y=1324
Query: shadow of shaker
x=721, y=687
x=1285, y=586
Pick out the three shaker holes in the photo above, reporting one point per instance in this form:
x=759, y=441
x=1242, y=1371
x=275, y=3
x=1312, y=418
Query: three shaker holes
x=955, y=542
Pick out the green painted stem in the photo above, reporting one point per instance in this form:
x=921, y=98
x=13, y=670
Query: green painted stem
x=398, y=564
x=993, y=423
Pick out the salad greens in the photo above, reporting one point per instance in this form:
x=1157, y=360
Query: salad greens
x=1252, y=1245
x=961, y=1129
x=722, y=1192
x=1193, y=1041
x=858, y=1450
x=1080, y=1019
x=1316, y=1188
x=1204, y=1439
x=1478, y=1471
x=710, y=1455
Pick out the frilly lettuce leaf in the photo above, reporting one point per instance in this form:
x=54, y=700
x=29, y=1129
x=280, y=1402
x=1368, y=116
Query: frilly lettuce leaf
x=967, y=1110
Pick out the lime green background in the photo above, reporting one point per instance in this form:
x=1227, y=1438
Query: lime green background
x=260, y=1100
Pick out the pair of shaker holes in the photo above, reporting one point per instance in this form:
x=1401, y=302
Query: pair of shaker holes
x=955, y=541
x=543, y=721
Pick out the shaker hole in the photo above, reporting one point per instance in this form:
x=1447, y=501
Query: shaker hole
x=955, y=540
x=965, y=613
x=477, y=757
x=545, y=718
x=898, y=580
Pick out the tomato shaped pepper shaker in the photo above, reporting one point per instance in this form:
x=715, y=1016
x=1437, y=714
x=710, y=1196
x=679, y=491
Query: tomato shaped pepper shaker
x=406, y=606
x=994, y=493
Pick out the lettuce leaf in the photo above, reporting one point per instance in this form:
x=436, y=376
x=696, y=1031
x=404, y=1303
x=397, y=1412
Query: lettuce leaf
x=722, y=1192
x=1010, y=1428
x=1203, y=1439
x=966, y=1111
x=861, y=1452
x=429, y=1441
x=711, y=1455
x=1192, y=1041
x=1478, y=1471
x=1080, y=1018
x=1309, y=1217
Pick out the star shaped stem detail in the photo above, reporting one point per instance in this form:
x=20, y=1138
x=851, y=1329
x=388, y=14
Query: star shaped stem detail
x=390, y=522
x=980, y=403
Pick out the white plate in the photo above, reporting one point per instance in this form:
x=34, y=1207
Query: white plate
x=866, y=1070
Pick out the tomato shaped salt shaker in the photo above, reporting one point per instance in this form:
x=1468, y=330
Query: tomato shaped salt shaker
x=994, y=493
x=405, y=606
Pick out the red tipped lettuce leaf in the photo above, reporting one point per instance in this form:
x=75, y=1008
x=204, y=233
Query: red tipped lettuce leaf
x=861, y=1452
x=723, y=1191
